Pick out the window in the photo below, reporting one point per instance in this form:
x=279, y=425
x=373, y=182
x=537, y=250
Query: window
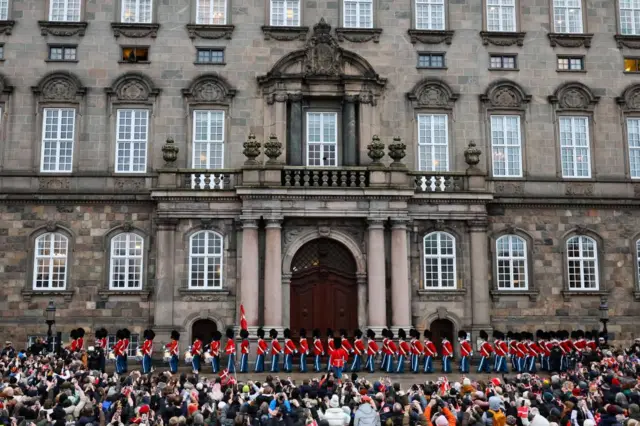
x=211, y=12
x=4, y=10
x=136, y=11
x=638, y=259
x=205, y=261
x=430, y=14
x=574, y=144
x=433, y=143
x=62, y=53
x=50, y=263
x=506, y=146
x=31, y=340
x=1, y=52
x=631, y=64
x=358, y=13
x=134, y=342
x=567, y=16
x=210, y=56
x=439, y=261
x=430, y=60
x=57, y=140
x=131, y=142
x=582, y=263
x=126, y=262
x=630, y=17
x=135, y=54
x=507, y=62
x=570, y=63
x=501, y=15
x=633, y=138
x=285, y=13
x=511, y=258
x=63, y=10
x=322, y=138
x=208, y=139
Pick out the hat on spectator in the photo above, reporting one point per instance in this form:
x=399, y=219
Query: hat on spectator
x=335, y=402
x=442, y=421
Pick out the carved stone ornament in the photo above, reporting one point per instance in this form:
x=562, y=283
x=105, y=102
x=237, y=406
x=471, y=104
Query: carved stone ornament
x=502, y=38
x=59, y=87
x=284, y=33
x=397, y=151
x=134, y=30
x=630, y=98
x=324, y=231
x=472, y=154
x=170, y=152
x=510, y=230
x=127, y=226
x=210, y=88
x=210, y=32
x=62, y=28
x=376, y=150
x=51, y=226
x=579, y=189
x=323, y=56
x=430, y=36
x=432, y=93
x=359, y=35
x=505, y=94
x=6, y=27
x=133, y=87
x=206, y=223
x=129, y=184
x=251, y=150
x=273, y=149
x=581, y=230
x=570, y=40
x=509, y=188
x=439, y=224
x=195, y=296
x=629, y=41
x=45, y=183
x=574, y=96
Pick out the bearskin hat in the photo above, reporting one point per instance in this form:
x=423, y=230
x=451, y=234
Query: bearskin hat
x=343, y=333
x=316, y=332
x=126, y=333
x=217, y=336
x=244, y=333
x=101, y=333
x=427, y=333
x=149, y=334
x=119, y=334
x=594, y=334
x=73, y=334
x=573, y=335
x=389, y=334
x=385, y=332
x=303, y=333
x=287, y=333
x=329, y=332
x=497, y=334
x=273, y=333
x=510, y=335
x=175, y=335
x=357, y=333
x=80, y=332
x=337, y=342
x=230, y=334
x=462, y=334
x=484, y=335
x=539, y=334
x=587, y=335
x=402, y=334
x=371, y=334
x=260, y=333
x=580, y=334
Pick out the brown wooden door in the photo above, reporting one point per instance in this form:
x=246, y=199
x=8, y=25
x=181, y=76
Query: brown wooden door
x=441, y=328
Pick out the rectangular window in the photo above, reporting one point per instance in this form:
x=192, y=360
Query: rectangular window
x=135, y=54
x=57, y=139
x=433, y=143
x=322, y=139
x=630, y=17
x=211, y=12
x=575, y=150
x=208, y=139
x=506, y=146
x=285, y=13
x=570, y=63
x=430, y=15
x=134, y=342
x=64, y=10
x=1, y=52
x=430, y=60
x=131, y=141
x=567, y=16
x=62, y=53
x=501, y=15
x=4, y=10
x=136, y=11
x=502, y=62
x=633, y=138
x=631, y=64
x=358, y=13
x=210, y=56
x=31, y=340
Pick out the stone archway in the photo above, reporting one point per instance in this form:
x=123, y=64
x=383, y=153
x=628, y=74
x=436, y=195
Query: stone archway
x=441, y=328
x=203, y=329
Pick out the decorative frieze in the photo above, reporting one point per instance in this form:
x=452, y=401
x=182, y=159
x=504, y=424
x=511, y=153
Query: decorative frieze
x=570, y=40
x=61, y=28
x=502, y=38
x=359, y=35
x=134, y=30
x=210, y=32
x=430, y=36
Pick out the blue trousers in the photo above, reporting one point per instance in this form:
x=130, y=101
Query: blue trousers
x=259, y=364
x=173, y=364
x=400, y=368
x=329, y=364
x=389, y=363
x=464, y=364
x=275, y=368
x=316, y=364
x=520, y=364
x=500, y=365
x=121, y=364
x=244, y=363
x=288, y=363
x=231, y=363
x=356, y=364
x=531, y=364
x=414, y=363
x=383, y=364
x=428, y=364
x=303, y=363
x=485, y=365
x=215, y=364
x=514, y=363
x=564, y=363
x=370, y=364
x=146, y=364
x=338, y=372
x=195, y=363
x=446, y=364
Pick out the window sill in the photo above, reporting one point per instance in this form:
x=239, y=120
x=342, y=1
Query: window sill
x=533, y=295
x=284, y=33
x=441, y=295
x=210, y=63
x=431, y=36
x=636, y=296
x=104, y=295
x=189, y=295
x=432, y=68
x=576, y=71
x=629, y=41
x=631, y=72
x=63, y=28
x=135, y=63
x=28, y=295
x=211, y=32
x=570, y=40
x=502, y=38
x=6, y=27
x=503, y=69
x=358, y=35
x=135, y=30
x=568, y=294
x=62, y=60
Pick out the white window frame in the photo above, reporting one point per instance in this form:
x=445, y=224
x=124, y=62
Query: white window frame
x=62, y=257
x=633, y=142
x=427, y=133
x=136, y=12
x=210, y=260
x=58, y=141
x=209, y=142
x=65, y=10
x=508, y=148
x=286, y=5
x=638, y=261
x=31, y=340
x=565, y=8
x=503, y=17
x=632, y=10
x=134, y=343
x=130, y=260
x=215, y=6
x=322, y=144
x=4, y=10
x=582, y=261
x=359, y=4
x=440, y=257
x=125, y=164
x=430, y=10
x=511, y=259
x=573, y=148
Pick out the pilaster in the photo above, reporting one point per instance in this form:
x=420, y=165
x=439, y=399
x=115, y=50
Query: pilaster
x=273, y=291
x=400, y=289
x=164, y=291
x=294, y=141
x=249, y=290
x=377, y=308
x=349, y=131
x=480, y=296
x=362, y=300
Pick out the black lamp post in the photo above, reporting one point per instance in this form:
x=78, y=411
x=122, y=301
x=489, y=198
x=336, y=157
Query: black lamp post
x=604, y=318
x=50, y=315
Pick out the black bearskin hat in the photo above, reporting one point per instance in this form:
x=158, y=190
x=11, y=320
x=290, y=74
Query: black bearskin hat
x=329, y=332
x=230, y=333
x=80, y=332
x=244, y=333
x=119, y=334
x=260, y=333
x=316, y=332
x=510, y=335
x=73, y=334
x=217, y=336
x=497, y=334
x=175, y=335
x=149, y=334
x=540, y=334
x=427, y=334
x=389, y=334
x=588, y=335
x=101, y=333
x=371, y=334
x=574, y=334
x=484, y=335
x=337, y=342
x=287, y=333
x=126, y=333
x=343, y=333
x=303, y=333
x=273, y=333
x=385, y=332
x=357, y=333
x=579, y=334
x=402, y=334
x=462, y=334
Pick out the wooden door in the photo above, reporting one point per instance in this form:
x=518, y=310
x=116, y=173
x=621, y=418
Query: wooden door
x=441, y=328
x=203, y=329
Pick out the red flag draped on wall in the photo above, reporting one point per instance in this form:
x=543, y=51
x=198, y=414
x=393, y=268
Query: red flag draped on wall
x=243, y=320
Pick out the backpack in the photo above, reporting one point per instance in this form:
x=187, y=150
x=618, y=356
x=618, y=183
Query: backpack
x=499, y=419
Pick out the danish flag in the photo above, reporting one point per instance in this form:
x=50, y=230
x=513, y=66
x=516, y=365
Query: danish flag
x=243, y=319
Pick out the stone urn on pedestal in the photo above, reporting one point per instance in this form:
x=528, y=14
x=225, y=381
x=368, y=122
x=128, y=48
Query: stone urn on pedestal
x=251, y=150
x=273, y=149
x=397, y=151
x=376, y=151
x=170, y=152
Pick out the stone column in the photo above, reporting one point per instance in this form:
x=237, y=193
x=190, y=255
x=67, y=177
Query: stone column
x=480, y=297
x=280, y=119
x=273, y=275
x=165, y=273
x=400, y=289
x=349, y=131
x=376, y=275
x=295, y=145
x=362, y=300
x=249, y=270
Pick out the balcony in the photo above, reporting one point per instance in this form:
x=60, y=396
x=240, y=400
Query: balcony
x=304, y=177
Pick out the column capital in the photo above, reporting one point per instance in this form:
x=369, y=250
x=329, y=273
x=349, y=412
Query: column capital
x=478, y=225
x=249, y=223
x=273, y=223
x=376, y=223
x=351, y=98
x=399, y=223
x=166, y=223
x=295, y=96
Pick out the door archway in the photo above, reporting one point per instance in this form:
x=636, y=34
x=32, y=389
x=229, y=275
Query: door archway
x=324, y=292
x=442, y=328
x=203, y=329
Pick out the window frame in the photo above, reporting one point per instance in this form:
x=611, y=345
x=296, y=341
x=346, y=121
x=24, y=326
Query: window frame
x=511, y=258
x=133, y=347
x=152, y=12
x=50, y=257
x=446, y=116
x=8, y=10
x=60, y=109
x=221, y=256
x=439, y=257
x=596, y=259
x=193, y=137
x=64, y=47
x=631, y=58
x=31, y=339
x=49, y=6
x=130, y=170
x=516, y=18
x=338, y=154
x=127, y=259
x=553, y=18
x=570, y=58
x=520, y=144
x=432, y=54
x=124, y=61
x=635, y=116
x=270, y=21
x=590, y=164
x=619, y=22
x=502, y=57
x=226, y=13
x=414, y=18
x=210, y=49
x=343, y=14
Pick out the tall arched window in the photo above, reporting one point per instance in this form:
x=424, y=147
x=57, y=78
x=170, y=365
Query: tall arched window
x=511, y=258
x=127, y=250
x=439, y=261
x=205, y=261
x=582, y=263
x=50, y=263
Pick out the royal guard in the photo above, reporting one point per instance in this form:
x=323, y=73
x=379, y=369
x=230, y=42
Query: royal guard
x=346, y=345
x=289, y=350
x=304, y=350
x=244, y=351
x=230, y=351
x=542, y=345
x=416, y=349
x=276, y=350
x=261, y=351
x=591, y=340
x=119, y=352
x=79, y=340
x=385, y=349
x=512, y=342
x=534, y=352
x=147, y=350
x=545, y=347
x=196, y=354
x=521, y=352
x=214, y=351
x=358, y=352
x=447, y=353
x=565, y=348
x=101, y=344
x=338, y=358
x=466, y=351
x=580, y=343
x=404, y=350
x=372, y=351
x=172, y=348
x=501, y=349
x=330, y=346
x=318, y=350
x=126, y=340
x=430, y=352
x=392, y=351
x=485, y=352
x=73, y=341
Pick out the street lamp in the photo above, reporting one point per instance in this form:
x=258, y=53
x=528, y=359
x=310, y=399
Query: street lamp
x=604, y=318
x=50, y=315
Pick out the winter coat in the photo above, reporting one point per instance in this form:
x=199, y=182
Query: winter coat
x=335, y=417
x=366, y=416
x=609, y=420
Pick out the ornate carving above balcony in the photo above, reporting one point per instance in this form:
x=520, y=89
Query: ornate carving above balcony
x=209, y=89
x=574, y=96
x=211, y=32
x=432, y=93
x=284, y=33
x=431, y=36
x=134, y=30
x=505, y=94
x=133, y=88
x=359, y=35
x=6, y=26
x=570, y=40
x=61, y=28
x=502, y=38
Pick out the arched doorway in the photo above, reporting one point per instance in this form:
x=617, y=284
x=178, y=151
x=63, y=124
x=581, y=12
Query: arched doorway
x=203, y=329
x=442, y=328
x=324, y=292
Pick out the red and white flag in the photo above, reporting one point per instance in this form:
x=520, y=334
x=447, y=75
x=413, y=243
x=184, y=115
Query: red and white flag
x=226, y=378
x=243, y=319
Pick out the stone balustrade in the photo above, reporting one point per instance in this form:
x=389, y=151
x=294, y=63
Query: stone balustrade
x=325, y=177
x=199, y=179
x=439, y=182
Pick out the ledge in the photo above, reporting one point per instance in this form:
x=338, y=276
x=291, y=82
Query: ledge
x=570, y=40
x=6, y=27
x=28, y=295
x=135, y=30
x=104, y=295
x=441, y=295
x=211, y=32
x=187, y=295
x=630, y=41
x=431, y=36
x=284, y=33
x=502, y=38
x=359, y=35
x=62, y=29
x=533, y=295
x=636, y=296
x=568, y=294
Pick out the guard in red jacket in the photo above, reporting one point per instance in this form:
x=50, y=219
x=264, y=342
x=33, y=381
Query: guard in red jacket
x=385, y=349
x=261, y=351
x=330, y=346
x=372, y=351
x=466, y=351
x=447, y=353
x=430, y=352
x=533, y=351
x=79, y=346
x=173, y=349
x=214, y=350
x=196, y=353
x=276, y=350
x=521, y=352
x=358, y=351
x=147, y=350
x=338, y=357
x=73, y=340
x=346, y=345
x=392, y=351
x=102, y=344
x=230, y=351
x=289, y=350
x=318, y=350
x=485, y=352
x=304, y=350
x=501, y=349
x=244, y=351
x=416, y=349
x=120, y=352
x=404, y=350
x=565, y=347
